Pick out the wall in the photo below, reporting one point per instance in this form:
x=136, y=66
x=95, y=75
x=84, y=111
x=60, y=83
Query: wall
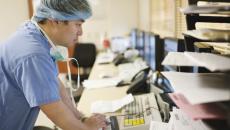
x=13, y=13
x=111, y=18
x=124, y=15
x=145, y=15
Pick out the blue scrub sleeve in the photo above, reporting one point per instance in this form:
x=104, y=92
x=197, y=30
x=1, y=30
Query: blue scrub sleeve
x=37, y=79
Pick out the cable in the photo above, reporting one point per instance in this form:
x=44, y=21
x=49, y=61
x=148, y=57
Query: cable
x=70, y=85
x=138, y=114
x=72, y=89
x=78, y=74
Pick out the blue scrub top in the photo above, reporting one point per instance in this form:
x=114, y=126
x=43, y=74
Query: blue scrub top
x=28, y=78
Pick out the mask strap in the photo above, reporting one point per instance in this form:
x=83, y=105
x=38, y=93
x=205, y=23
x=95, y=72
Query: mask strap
x=72, y=89
x=78, y=74
x=43, y=32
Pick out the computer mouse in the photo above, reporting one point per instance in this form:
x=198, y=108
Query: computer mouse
x=104, y=76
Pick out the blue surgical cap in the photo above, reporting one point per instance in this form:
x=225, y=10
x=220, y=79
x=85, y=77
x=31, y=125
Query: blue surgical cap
x=64, y=10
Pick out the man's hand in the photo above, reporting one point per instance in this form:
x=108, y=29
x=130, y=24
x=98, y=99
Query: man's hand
x=95, y=122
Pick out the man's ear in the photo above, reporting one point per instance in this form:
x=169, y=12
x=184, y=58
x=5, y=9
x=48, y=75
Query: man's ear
x=53, y=22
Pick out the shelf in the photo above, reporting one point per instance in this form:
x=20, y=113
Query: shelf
x=212, y=62
x=193, y=2
x=194, y=9
x=222, y=48
x=210, y=41
x=213, y=19
x=209, y=35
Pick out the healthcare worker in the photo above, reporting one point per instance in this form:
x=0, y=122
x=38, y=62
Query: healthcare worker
x=28, y=72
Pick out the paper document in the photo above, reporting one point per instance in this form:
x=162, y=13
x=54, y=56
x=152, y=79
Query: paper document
x=200, y=87
x=154, y=125
x=223, y=48
x=181, y=121
x=104, y=58
x=111, y=106
x=209, y=34
x=210, y=61
x=210, y=9
x=198, y=111
x=101, y=83
x=178, y=59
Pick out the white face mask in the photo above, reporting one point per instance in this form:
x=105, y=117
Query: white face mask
x=59, y=53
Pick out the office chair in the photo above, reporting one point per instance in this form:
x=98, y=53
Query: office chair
x=41, y=128
x=85, y=53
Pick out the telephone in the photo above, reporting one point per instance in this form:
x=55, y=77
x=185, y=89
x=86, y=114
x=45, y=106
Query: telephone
x=129, y=71
x=119, y=59
x=163, y=83
x=125, y=57
x=139, y=83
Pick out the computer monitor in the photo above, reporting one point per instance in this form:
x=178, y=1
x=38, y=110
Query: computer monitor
x=156, y=52
x=170, y=45
x=147, y=47
x=137, y=38
x=140, y=42
x=133, y=38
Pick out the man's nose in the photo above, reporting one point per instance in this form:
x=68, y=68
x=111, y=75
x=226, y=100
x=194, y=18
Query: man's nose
x=80, y=32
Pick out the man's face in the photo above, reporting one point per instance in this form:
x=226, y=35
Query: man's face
x=68, y=32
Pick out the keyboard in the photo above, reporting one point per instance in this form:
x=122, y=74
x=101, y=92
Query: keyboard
x=138, y=114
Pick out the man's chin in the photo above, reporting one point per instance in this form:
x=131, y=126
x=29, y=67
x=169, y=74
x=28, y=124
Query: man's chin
x=71, y=44
x=75, y=41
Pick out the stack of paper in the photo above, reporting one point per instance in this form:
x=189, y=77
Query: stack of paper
x=178, y=59
x=198, y=111
x=209, y=34
x=200, y=87
x=206, y=9
x=210, y=61
x=154, y=125
x=222, y=48
x=105, y=58
x=179, y=121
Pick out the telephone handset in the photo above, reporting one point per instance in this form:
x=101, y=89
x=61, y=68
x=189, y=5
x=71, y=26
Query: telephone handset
x=125, y=57
x=146, y=70
x=139, y=83
x=163, y=83
x=119, y=59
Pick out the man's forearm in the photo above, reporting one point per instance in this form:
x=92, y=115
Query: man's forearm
x=62, y=116
x=94, y=122
x=67, y=100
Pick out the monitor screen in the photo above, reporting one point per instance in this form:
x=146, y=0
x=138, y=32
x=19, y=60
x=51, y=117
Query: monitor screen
x=140, y=42
x=133, y=38
x=147, y=48
x=152, y=61
x=156, y=52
